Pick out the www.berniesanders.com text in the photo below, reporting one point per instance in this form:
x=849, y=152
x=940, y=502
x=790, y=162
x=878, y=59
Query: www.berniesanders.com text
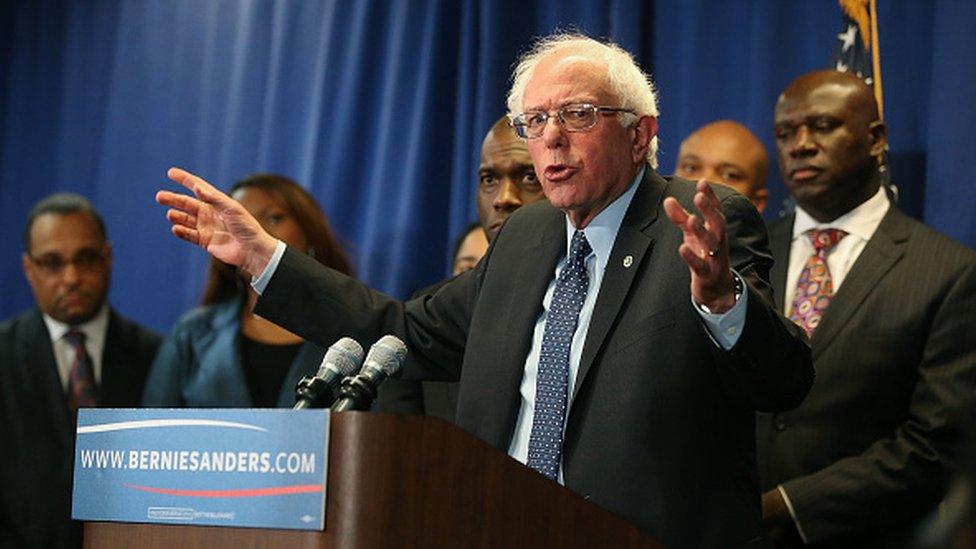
x=200, y=461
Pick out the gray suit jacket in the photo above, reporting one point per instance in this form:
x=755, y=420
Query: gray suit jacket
x=865, y=455
x=661, y=428
x=37, y=430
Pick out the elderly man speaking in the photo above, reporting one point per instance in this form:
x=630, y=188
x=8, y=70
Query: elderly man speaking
x=601, y=345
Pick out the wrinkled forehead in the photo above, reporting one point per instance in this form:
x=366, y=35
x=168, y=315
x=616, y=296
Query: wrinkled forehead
x=567, y=77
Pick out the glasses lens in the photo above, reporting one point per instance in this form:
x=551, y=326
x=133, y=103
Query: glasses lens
x=89, y=260
x=578, y=117
x=51, y=264
x=532, y=123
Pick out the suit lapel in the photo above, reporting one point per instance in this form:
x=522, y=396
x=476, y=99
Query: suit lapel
x=880, y=254
x=780, y=239
x=635, y=239
x=534, y=273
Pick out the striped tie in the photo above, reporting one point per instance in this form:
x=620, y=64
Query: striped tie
x=82, y=392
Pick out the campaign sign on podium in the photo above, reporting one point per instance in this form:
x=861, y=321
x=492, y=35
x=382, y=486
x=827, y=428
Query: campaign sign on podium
x=215, y=467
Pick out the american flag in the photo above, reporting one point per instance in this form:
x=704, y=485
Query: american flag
x=853, y=54
x=852, y=51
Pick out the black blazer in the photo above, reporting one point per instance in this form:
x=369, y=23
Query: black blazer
x=661, y=428
x=37, y=429
x=865, y=455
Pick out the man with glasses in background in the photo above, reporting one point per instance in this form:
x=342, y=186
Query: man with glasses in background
x=72, y=351
x=608, y=349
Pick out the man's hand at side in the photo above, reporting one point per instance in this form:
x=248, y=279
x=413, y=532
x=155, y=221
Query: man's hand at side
x=779, y=523
x=217, y=223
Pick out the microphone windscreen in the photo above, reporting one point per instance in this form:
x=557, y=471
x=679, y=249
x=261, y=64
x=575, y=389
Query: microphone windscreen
x=343, y=358
x=388, y=354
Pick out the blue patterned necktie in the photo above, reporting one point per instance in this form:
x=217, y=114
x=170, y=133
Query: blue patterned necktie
x=552, y=382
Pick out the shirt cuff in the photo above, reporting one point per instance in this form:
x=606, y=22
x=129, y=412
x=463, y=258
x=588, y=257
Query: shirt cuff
x=725, y=328
x=261, y=282
x=789, y=507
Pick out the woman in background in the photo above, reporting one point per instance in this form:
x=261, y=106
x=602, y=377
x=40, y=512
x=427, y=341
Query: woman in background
x=223, y=355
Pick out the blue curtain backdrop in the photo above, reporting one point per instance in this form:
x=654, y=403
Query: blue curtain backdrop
x=379, y=107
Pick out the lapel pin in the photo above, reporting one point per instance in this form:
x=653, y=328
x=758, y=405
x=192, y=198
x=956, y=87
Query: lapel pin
x=628, y=261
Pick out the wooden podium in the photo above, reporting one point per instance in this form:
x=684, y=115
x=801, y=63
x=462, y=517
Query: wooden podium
x=411, y=481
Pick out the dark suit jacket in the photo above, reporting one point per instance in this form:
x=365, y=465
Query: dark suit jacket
x=37, y=429
x=865, y=455
x=661, y=428
x=438, y=398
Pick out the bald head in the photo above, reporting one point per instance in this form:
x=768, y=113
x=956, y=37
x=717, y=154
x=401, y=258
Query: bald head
x=726, y=152
x=851, y=87
x=506, y=177
x=828, y=142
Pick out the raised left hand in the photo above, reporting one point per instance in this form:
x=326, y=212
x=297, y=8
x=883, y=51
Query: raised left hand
x=705, y=249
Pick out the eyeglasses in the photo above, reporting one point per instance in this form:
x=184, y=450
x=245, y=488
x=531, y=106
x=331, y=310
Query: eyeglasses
x=578, y=117
x=88, y=261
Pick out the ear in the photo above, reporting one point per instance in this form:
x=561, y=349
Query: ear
x=107, y=250
x=644, y=130
x=28, y=267
x=759, y=198
x=879, y=138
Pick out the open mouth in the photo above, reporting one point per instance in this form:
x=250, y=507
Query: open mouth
x=558, y=172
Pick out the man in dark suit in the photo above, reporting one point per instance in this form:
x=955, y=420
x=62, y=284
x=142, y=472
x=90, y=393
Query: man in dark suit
x=589, y=349
x=891, y=308
x=71, y=351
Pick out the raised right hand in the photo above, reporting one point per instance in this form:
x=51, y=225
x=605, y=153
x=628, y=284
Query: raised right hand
x=217, y=223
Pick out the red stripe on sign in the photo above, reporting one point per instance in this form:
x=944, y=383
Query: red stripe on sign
x=242, y=493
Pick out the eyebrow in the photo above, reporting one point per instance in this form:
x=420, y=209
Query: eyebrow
x=591, y=100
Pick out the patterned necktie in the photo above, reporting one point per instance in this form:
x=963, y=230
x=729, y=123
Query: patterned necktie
x=546, y=438
x=815, y=286
x=82, y=392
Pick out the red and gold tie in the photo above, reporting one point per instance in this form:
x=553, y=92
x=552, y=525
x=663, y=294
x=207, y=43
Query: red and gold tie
x=82, y=392
x=815, y=286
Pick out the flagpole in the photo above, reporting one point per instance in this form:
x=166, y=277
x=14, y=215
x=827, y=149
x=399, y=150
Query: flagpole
x=876, y=58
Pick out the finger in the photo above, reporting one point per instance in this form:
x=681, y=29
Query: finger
x=675, y=212
x=179, y=217
x=190, y=235
x=702, y=242
x=203, y=190
x=708, y=204
x=178, y=201
x=698, y=265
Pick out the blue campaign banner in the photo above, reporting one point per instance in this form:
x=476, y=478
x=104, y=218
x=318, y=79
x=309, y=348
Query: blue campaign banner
x=215, y=467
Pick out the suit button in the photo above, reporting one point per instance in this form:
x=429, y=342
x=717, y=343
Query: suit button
x=779, y=422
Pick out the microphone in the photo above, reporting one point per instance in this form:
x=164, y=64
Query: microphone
x=319, y=391
x=384, y=359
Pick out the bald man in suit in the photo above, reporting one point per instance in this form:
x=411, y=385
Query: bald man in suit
x=891, y=309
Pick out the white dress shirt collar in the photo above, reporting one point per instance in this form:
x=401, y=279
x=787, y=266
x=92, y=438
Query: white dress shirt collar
x=95, y=331
x=603, y=229
x=862, y=221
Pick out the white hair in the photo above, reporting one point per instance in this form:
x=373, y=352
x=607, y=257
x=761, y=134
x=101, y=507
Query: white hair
x=629, y=83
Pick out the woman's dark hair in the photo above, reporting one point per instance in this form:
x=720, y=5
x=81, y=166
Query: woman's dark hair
x=223, y=281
